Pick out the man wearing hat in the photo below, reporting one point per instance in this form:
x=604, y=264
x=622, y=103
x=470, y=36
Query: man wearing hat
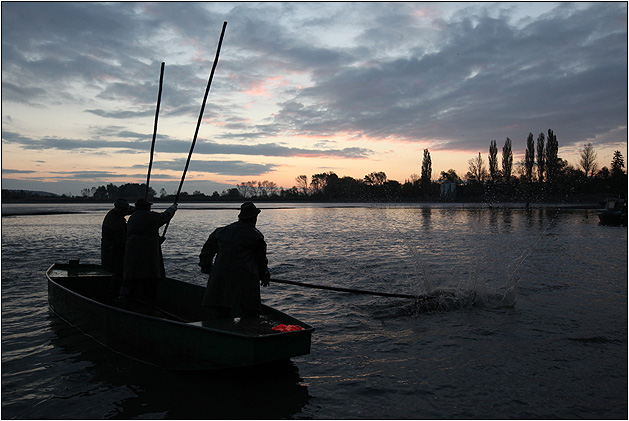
x=233, y=288
x=143, y=261
x=112, y=243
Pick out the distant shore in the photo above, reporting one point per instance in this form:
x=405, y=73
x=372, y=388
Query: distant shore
x=57, y=207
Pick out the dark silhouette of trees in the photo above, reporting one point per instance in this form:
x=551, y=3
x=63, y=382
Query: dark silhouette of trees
x=541, y=157
x=588, y=160
x=556, y=180
x=476, y=170
x=302, y=183
x=529, y=158
x=493, y=161
x=507, y=160
x=426, y=171
x=375, y=178
x=129, y=191
x=258, y=189
x=618, y=163
x=247, y=189
x=553, y=163
x=317, y=183
x=618, y=178
x=449, y=176
x=232, y=194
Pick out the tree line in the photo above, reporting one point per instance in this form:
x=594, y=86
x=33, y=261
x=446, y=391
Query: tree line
x=542, y=175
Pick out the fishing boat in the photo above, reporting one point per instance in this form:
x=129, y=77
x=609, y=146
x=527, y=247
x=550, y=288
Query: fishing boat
x=181, y=335
x=614, y=212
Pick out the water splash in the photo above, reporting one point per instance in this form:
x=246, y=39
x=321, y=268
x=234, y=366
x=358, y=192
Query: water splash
x=472, y=289
x=510, y=294
x=413, y=251
x=472, y=292
x=423, y=274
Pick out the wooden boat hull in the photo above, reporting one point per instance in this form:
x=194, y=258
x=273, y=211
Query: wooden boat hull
x=189, y=339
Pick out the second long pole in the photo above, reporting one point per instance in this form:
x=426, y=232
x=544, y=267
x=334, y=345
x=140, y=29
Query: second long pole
x=196, y=132
x=159, y=100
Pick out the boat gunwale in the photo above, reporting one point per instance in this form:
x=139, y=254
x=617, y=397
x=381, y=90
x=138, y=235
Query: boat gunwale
x=187, y=325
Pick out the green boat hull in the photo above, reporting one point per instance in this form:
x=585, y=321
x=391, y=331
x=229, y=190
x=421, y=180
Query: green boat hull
x=182, y=336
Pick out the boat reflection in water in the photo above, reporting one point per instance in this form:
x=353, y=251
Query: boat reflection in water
x=124, y=388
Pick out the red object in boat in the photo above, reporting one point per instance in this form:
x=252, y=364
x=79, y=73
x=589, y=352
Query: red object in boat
x=287, y=328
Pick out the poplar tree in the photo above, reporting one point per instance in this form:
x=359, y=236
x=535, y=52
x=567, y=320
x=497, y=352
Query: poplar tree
x=426, y=169
x=493, y=160
x=541, y=156
x=529, y=157
x=507, y=160
x=552, y=160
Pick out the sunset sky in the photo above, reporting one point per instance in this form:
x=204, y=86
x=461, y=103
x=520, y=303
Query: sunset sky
x=300, y=88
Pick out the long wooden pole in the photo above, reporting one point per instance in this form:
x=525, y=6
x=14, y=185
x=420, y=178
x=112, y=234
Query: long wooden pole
x=196, y=132
x=355, y=291
x=159, y=100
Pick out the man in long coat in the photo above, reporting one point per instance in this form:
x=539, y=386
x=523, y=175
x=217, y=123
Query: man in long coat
x=112, y=243
x=233, y=287
x=143, y=262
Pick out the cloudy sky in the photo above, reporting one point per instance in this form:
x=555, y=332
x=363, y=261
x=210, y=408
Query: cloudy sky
x=300, y=88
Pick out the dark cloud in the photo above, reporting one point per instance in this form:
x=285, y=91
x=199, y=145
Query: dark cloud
x=22, y=95
x=140, y=143
x=275, y=150
x=489, y=79
x=121, y=114
x=96, y=175
x=487, y=75
x=231, y=167
x=453, y=75
x=12, y=171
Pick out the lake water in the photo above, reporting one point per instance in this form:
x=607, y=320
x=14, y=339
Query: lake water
x=537, y=326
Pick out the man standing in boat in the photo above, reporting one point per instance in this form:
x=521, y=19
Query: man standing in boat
x=112, y=243
x=143, y=262
x=240, y=267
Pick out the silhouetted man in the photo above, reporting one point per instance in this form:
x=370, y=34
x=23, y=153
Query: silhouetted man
x=112, y=243
x=143, y=263
x=233, y=287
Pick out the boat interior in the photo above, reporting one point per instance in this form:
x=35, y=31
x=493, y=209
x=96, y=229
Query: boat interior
x=176, y=301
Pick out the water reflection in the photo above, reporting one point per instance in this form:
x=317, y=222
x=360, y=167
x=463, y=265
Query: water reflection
x=426, y=213
x=493, y=219
x=138, y=390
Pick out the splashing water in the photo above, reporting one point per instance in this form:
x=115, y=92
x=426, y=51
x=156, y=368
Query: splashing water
x=471, y=288
x=471, y=291
x=427, y=285
x=508, y=299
